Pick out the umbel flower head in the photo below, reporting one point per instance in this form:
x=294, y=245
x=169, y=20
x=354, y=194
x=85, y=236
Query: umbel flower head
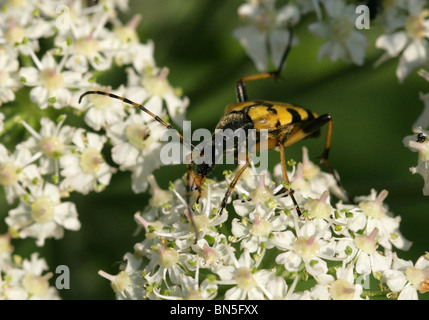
x=51, y=52
x=261, y=248
x=419, y=141
x=24, y=279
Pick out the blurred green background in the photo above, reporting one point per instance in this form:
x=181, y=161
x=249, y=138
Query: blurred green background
x=372, y=113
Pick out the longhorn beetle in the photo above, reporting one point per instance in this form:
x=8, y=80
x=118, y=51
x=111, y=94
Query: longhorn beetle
x=285, y=123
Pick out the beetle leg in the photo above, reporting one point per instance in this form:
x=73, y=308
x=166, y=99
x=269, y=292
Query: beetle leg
x=241, y=92
x=190, y=214
x=286, y=178
x=312, y=127
x=188, y=184
x=324, y=158
x=232, y=184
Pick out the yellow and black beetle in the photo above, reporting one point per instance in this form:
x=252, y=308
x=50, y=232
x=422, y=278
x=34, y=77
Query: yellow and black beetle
x=285, y=123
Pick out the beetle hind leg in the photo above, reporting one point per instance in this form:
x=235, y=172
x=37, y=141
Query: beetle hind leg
x=232, y=185
x=286, y=179
x=241, y=91
x=312, y=128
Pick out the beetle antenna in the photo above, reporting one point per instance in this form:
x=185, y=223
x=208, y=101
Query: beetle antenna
x=141, y=107
x=285, y=53
x=240, y=88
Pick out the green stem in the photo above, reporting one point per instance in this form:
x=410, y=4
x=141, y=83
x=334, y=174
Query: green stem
x=374, y=294
x=9, y=124
x=26, y=61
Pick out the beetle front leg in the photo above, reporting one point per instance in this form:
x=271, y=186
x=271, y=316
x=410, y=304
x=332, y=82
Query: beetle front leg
x=232, y=185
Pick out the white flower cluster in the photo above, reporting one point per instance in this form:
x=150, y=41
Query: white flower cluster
x=268, y=251
x=51, y=52
x=419, y=140
x=57, y=158
x=405, y=24
x=23, y=279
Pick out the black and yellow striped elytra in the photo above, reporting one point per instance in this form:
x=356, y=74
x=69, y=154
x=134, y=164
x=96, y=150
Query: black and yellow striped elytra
x=282, y=120
x=285, y=123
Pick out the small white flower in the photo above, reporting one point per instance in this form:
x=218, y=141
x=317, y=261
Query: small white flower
x=8, y=78
x=213, y=255
x=191, y=289
x=52, y=142
x=125, y=44
x=16, y=171
x=304, y=250
x=406, y=278
x=343, y=288
x=43, y=215
x=247, y=283
x=379, y=217
x=260, y=200
x=167, y=261
x=279, y=289
x=258, y=209
x=157, y=91
x=307, y=248
x=344, y=41
x=257, y=233
x=85, y=169
x=266, y=33
x=127, y=284
x=143, y=56
x=28, y=281
x=368, y=258
x=21, y=33
x=318, y=208
x=86, y=41
x=18, y=10
x=211, y=197
x=51, y=85
x=173, y=208
x=161, y=200
x=411, y=43
x=136, y=148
